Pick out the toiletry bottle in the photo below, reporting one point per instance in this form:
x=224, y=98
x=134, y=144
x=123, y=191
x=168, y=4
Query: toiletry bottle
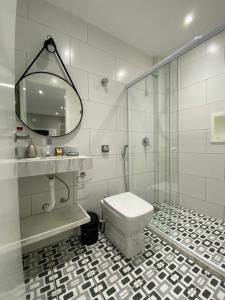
x=20, y=145
x=49, y=146
x=31, y=150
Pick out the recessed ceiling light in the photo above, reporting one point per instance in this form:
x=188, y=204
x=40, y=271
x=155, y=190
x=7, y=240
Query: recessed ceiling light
x=61, y=107
x=188, y=19
x=40, y=92
x=121, y=74
x=56, y=113
x=213, y=48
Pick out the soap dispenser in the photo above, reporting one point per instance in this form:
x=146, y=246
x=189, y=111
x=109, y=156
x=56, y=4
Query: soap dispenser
x=31, y=151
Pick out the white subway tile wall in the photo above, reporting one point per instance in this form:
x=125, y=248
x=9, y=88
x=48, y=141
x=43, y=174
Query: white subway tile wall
x=201, y=83
x=89, y=54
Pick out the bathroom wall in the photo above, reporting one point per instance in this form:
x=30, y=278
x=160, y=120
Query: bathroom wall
x=89, y=54
x=201, y=75
x=11, y=272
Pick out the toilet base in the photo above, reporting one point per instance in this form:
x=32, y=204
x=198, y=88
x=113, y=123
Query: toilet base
x=130, y=245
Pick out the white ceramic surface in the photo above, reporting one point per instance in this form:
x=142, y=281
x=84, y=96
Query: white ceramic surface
x=128, y=205
x=126, y=233
x=51, y=165
x=45, y=225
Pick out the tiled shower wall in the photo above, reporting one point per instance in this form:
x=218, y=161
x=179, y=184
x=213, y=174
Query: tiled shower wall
x=89, y=54
x=201, y=83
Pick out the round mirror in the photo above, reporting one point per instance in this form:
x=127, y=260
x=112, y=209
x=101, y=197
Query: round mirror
x=48, y=104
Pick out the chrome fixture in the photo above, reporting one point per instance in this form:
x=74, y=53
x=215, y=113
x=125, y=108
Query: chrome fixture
x=145, y=141
x=146, y=87
x=105, y=148
x=124, y=150
x=62, y=199
x=125, y=147
x=50, y=45
x=102, y=223
x=82, y=176
x=196, y=41
x=104, y=82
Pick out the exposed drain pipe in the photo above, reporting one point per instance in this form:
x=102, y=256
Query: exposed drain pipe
x=49, y=206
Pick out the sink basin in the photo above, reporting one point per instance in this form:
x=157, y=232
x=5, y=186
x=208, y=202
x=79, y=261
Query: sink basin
x=52, y=165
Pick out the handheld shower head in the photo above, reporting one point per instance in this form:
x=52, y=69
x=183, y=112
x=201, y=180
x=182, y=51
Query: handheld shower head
x=124, y=150
x=125, y=147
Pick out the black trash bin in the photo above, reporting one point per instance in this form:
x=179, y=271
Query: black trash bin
x=89, y=231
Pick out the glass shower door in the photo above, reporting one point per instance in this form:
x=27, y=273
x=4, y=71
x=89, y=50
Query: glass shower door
x=153, y=161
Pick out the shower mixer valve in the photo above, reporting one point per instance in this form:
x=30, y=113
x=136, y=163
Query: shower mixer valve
x=146, y=141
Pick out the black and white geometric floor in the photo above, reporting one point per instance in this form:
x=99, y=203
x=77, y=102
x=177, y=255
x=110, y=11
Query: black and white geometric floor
x=68, y=270
x=200, y=233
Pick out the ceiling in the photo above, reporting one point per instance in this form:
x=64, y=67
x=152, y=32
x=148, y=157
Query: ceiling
x=153, y=26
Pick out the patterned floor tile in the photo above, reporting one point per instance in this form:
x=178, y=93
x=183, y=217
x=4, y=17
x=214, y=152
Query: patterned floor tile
x=69, y=270
x=40, y=286
x=200, y=233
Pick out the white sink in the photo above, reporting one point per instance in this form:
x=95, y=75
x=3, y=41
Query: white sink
x=52, y=165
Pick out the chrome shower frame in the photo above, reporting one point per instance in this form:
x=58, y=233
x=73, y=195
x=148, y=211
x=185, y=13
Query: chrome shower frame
x=196, y=41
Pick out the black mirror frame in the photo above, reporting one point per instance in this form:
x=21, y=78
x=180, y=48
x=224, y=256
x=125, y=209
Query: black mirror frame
x=50, y=40
x=32, y=73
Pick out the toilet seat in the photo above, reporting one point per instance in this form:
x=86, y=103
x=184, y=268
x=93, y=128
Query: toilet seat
x=128, y=205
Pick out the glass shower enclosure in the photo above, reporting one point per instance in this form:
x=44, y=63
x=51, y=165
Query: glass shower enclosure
x=175, y=163
x=153, y=139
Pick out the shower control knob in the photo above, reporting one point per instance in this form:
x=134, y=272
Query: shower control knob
x=146, y=141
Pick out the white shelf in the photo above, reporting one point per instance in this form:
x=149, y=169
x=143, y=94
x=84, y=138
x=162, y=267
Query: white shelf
x=38, y=227
x=218, y=127
x=52, y=165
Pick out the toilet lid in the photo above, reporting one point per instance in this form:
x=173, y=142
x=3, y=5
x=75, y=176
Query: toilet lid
x=129, y=205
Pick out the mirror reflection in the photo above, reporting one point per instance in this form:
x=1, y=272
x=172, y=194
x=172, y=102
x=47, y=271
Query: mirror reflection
x=48, y=104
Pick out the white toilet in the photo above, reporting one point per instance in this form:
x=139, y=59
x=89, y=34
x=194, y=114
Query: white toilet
x=126, y=215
